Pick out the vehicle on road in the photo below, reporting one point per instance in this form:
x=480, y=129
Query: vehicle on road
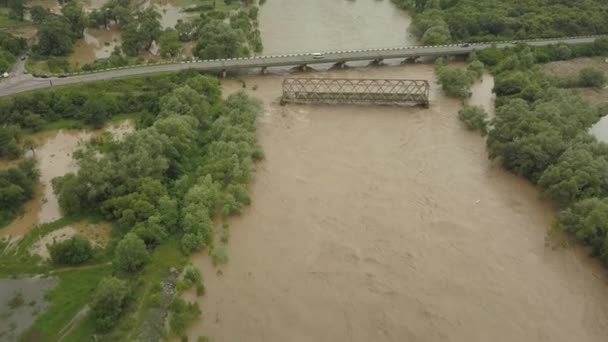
x=317, y=55
x=466, y=45
x=23, y=58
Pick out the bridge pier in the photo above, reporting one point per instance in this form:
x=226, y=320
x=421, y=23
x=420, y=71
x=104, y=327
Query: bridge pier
x=264, y=70
x=340, y=65
x=377, y=61
x=303, y=67
x=224, y=73
x=410, y=60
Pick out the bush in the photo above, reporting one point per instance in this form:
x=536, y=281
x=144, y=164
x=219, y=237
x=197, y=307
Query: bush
x=455, y=82
x=16, y=300
x=58, y=64
x=182, y=313
x=474, y=118
x=131, y=254
x=219, y=255
x=476, y=67
x=192, y=274
x=72, y=251
x=110, y=300
x=591, y=78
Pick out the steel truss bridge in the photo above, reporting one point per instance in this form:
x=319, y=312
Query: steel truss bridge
x=355, y=91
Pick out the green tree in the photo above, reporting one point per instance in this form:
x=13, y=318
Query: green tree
x=38, y=14
x=455, y=82
x=72, y=11
x=55, y=37
x=131, y=254
x=474, y=118
x=17, y=9
x=111, y=298
x=217, y=40
x=169, y=43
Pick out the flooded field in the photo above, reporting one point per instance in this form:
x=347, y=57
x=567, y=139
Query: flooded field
x=390, y=224
x=97, y=43
x=54, y=159
x=170, y=11
x=21, y=300
x=482, y=94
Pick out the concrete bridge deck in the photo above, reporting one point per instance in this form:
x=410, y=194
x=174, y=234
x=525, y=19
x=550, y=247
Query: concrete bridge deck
x=23, y=83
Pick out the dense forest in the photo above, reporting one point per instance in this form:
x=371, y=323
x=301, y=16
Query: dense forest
x=441, y=21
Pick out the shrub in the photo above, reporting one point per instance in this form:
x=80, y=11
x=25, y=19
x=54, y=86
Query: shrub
x=591, y=78
x=192, y=274
x=72, y=251
x=476, y=67
x=219, y=255
x=474, y=118
x=181, y=314
x=110, y=300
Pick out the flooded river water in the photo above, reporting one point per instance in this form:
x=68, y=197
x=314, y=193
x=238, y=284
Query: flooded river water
x=391, y=224
x=54, y=156
x=388, y=223
x=319, y=25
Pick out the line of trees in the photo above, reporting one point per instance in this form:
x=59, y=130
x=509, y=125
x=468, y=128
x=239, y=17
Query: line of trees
x=441, y=21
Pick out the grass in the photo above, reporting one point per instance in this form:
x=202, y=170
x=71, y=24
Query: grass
x=75, y=289
x=5, y=21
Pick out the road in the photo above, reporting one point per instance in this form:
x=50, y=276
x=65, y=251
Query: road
x=19, y=82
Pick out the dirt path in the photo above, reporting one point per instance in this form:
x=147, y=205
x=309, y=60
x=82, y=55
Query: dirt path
x=390, y=224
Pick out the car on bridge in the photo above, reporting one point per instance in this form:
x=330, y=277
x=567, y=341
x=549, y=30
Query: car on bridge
x=317, y=55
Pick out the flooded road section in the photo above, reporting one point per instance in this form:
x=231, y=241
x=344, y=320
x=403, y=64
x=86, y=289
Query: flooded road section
x=390, y=224
x=289, y=26
x=54, y=159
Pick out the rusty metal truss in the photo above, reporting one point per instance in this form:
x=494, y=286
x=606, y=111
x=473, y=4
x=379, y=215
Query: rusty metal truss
x=355, y=91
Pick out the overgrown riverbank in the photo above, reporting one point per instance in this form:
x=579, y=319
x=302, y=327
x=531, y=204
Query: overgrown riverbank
x=190, y=161
x=541, y=132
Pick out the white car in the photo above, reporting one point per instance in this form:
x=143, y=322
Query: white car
x=317, y=55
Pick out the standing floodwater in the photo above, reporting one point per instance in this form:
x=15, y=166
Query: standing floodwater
x=320, y=25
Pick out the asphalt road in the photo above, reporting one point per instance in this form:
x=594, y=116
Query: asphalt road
x=19, y=82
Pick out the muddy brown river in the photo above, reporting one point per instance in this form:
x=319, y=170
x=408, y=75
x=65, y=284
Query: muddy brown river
x=388, y=223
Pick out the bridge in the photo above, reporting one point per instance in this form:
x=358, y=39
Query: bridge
x=341, y=90
x=23, y=83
